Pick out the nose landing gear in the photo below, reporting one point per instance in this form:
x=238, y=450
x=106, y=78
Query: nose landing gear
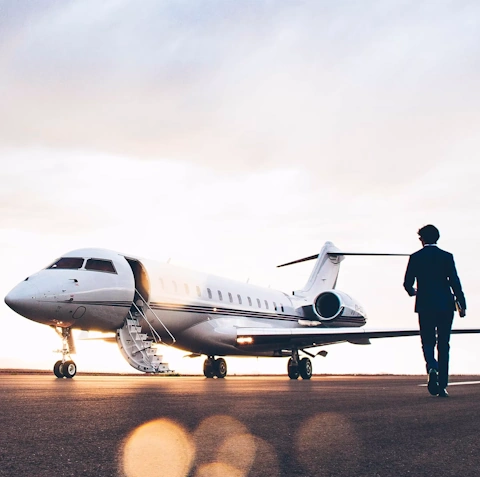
x=65, y=368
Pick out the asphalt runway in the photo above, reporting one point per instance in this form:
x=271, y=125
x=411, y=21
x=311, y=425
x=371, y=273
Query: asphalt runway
x=259, y=427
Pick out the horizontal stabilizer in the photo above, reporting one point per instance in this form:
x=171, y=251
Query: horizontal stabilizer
x=306, y=259
x=333, y=254
x=343, y=254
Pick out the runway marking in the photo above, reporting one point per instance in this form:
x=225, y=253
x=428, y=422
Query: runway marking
x=458, y=384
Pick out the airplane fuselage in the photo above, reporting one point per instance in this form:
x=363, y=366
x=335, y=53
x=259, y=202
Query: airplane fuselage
x=194, y=311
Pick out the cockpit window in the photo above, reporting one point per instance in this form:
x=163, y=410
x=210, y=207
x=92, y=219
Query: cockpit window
x=100, y=265
x=67, y=263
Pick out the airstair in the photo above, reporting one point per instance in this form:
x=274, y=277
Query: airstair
x=138, y=348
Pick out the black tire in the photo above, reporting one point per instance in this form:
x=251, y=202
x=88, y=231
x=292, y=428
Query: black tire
x=69, y=369
x=305, y=368
x=209, y=368
x=58, y=369
x=220, y=368
x=292, y=367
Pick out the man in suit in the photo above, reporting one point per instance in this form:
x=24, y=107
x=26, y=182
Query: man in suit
x=436, y=276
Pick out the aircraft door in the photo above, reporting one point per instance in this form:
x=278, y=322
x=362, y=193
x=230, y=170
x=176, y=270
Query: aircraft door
x=142, y=282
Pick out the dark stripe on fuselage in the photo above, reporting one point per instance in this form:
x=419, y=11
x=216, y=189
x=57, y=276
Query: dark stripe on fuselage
x=336, y=322
x=215, y=310
x=124, y=304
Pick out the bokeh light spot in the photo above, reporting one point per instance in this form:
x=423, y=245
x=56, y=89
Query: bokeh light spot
x=218, y=469
x=212, y=433
x=327, y=438
x=159, y=448
x=238, y=451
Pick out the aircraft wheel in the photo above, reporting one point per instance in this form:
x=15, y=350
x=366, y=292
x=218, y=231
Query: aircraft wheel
x=220, y=368
x=293, y=372
x=58, y=369
x=305, y=368
x=69, y=369
x=209, y=368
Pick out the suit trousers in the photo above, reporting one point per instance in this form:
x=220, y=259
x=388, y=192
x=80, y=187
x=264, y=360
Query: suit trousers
x=435, y=329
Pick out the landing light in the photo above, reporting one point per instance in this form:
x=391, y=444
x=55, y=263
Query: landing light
x=244, y=340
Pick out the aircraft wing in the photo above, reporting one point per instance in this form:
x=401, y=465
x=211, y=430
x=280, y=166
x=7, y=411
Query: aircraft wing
x=278, y=338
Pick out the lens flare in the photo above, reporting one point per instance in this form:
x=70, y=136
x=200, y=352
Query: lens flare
x=238, y=451
x=265, y=463
x=325, y=438
x=159, y=448
x=220, y=446
x=218, y=469
x=211, y=434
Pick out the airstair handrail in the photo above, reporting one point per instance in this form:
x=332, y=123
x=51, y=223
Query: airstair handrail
x=155, y=315
x=156, y=336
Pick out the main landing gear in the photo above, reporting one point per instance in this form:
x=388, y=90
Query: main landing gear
x=299, y=367
x=65, y=368
x=215, y=367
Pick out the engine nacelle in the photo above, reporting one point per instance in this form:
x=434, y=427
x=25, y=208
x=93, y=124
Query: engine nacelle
x=336, y=304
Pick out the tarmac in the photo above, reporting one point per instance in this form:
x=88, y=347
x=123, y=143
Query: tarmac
x=153, y=426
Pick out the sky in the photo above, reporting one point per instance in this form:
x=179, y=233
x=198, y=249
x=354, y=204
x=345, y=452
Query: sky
x=230, y=137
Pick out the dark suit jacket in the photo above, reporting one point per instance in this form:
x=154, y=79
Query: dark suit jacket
x=436, y=275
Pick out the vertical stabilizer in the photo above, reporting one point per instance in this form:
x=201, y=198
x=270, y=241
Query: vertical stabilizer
x=324, y=274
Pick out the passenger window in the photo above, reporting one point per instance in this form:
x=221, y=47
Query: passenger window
x=175, y=287
x=274, y=306
x=199, y=293
x=67, y=263
x=258, y=303
x=249, y=300
x=209, y=293
x=266, y=304
x=230, y=297
x=162, y=283
x=100, y=265
x=239, y=299
x=187, y=291
x=220, y=295
x=281, y=307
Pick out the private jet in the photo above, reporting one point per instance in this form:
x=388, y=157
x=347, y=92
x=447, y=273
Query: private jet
x=145, y=304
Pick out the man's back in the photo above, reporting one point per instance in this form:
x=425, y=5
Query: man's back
x=434, y=270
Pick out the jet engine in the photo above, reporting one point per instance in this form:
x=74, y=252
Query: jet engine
x=333, y=304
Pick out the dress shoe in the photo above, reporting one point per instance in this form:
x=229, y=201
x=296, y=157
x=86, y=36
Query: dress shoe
x=442, y=392
x=433, y=382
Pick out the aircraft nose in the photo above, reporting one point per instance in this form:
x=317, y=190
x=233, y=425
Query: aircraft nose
x=22, y=298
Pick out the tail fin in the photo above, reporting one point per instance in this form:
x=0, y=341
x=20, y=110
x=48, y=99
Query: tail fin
x=324, y=274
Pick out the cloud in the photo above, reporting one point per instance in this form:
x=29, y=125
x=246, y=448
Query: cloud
x=353, y=93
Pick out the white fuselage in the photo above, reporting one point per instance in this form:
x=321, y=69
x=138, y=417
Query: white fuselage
x=194, y=311
x=204, y=311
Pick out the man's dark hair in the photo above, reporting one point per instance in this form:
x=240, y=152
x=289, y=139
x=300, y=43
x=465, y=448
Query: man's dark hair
x=429, y=234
